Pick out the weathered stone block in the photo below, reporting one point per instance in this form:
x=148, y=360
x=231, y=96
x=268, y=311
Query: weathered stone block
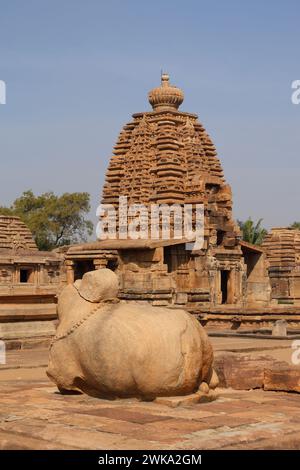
x=181, y=298
x=285, y=379
x=240, y=371
x=280, y=328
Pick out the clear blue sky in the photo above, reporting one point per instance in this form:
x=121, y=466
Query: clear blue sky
x=76, y=71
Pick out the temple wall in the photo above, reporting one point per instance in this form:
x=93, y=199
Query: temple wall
x=37, y=274
x=258, y=287
x=144, y=277
x=282, y=247
x=295, y=285
x=6, y=275
x=176, y=276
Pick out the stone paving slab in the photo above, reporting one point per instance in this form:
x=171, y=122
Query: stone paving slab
x=33, y=415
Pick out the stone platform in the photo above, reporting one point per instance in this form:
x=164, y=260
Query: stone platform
x=33, y=415
x=232, y=316
x=27, y=321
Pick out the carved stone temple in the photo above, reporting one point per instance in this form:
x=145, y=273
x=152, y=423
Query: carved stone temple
x=165, y=156
x=282, y=247
x=29, y=282
x=162, y=156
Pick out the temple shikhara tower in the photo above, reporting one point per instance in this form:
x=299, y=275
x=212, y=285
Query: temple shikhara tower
x=165, y=156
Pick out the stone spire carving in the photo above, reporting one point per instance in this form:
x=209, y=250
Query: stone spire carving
x=166, y=156
x=166, y=96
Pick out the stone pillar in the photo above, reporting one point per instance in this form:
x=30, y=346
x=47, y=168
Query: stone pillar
x=216, y=287
x=32, y=276
x=70, y=271
x=39, y=274
x=231, y=287
x=16, y=274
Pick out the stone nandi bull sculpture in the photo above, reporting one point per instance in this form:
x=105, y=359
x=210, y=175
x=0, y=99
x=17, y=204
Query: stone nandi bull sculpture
x=108, y=348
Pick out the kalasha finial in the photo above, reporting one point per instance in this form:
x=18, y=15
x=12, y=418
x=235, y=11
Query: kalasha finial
x=164, y=79
x=166, y=96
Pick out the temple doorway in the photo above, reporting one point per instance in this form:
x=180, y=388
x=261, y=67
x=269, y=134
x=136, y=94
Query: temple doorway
x=227, y=286
x=168, y=258
x=224, y=286
x=81, y=267
x=26, y=275
x=112, y=264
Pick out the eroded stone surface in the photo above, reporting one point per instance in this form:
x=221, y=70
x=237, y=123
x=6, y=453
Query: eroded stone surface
x=282, y=378
x=241, y=371
x=119, y=349
x=34, y=416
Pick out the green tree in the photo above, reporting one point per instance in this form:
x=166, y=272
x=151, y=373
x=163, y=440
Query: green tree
x=252, y=232
x=53, y=220
x=295, y=225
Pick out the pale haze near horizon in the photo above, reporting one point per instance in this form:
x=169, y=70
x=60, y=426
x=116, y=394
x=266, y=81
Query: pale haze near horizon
x=75, y=72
